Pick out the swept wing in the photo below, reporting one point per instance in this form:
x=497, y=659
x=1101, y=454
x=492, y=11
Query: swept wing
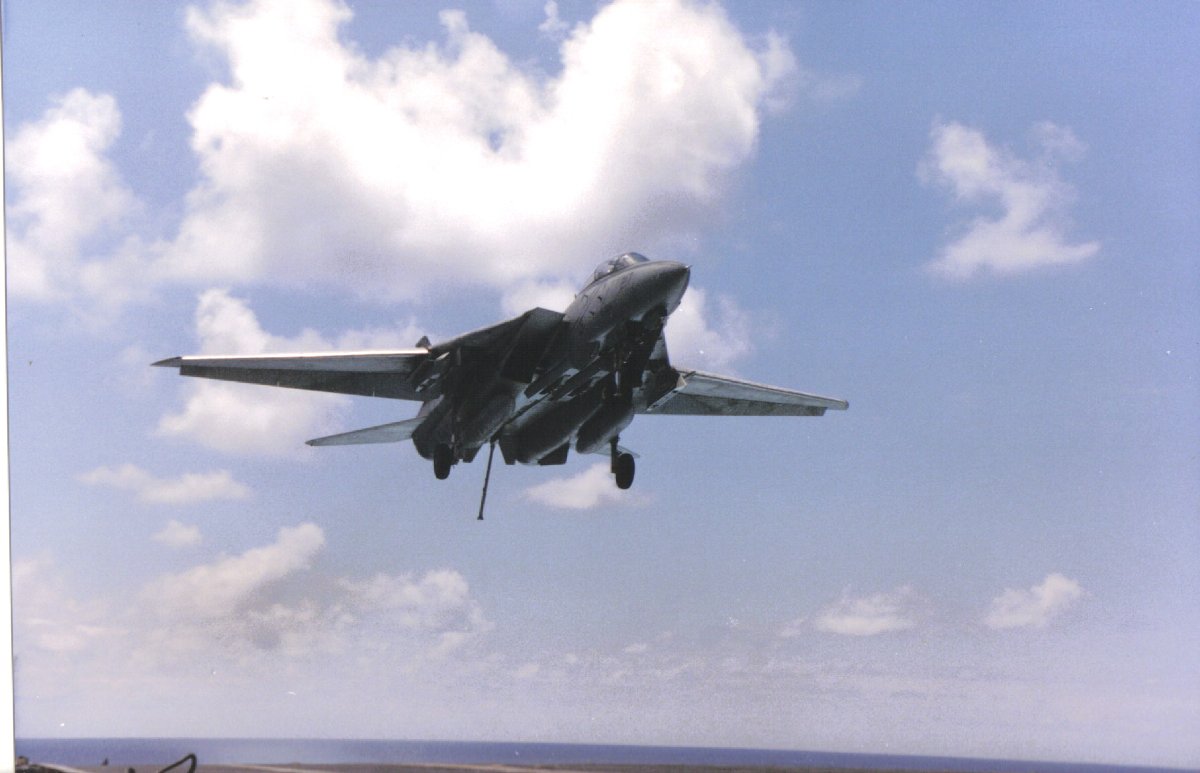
x=374, y=374
x=697, y=393
x=405, y=374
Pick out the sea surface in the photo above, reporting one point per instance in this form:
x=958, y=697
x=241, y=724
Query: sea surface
x=163, y=751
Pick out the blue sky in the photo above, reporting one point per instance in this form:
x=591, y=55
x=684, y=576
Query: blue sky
x=975, y=222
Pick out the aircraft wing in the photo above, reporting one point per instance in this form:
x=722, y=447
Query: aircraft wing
x=405, y=374
x=697, y=393
x=375, y=374
x=384, y=433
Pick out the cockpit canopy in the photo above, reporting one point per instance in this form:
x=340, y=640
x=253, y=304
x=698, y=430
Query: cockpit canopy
x=618, y=263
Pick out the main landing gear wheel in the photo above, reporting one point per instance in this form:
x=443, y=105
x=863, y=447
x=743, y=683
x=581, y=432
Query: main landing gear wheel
x=621, y=464
x=443, y=459
x=623, y=468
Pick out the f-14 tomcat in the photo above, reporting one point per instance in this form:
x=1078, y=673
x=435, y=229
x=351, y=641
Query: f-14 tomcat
x=536, y=384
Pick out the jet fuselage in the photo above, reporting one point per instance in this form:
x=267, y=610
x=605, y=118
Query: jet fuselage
x=590, y=373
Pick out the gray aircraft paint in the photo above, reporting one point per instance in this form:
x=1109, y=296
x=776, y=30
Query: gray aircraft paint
x=534, y=384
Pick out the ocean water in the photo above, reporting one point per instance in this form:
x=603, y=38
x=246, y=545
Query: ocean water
x=163, y=751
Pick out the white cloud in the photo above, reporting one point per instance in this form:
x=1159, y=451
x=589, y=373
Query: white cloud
x=701, y=336
x=319, y=656
x=189, y=488
x=552, y=26
x=440, y=163
x=251, y=419
x=269, y=599
x=1032, y=229
x=1035, y=607
x=179, y=535
x=439, y=601
x=794, y=80
x=46, y=618
x=241, y=419
x=593, y=487
x=398, y=337
x=247, y=619
x=870, y=615
x=65, y=194
x=555, y=295
x=450, y=160
x=219, y=589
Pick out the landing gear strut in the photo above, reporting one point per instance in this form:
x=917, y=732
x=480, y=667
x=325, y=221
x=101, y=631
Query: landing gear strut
x=622, y=466
x=443, y=459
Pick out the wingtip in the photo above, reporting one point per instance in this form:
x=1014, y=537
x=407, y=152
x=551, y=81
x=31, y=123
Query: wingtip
x=170, y=362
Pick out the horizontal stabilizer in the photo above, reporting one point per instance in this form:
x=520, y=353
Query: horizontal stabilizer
x=384, y=433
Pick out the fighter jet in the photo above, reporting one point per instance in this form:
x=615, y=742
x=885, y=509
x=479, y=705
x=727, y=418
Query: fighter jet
x=535, y=385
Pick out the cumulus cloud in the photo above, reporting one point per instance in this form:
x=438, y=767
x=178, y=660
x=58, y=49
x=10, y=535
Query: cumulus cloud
x=1031, y=229
x=396, y=337
x=262, y=608
x=189, y=488
x=386, y=173
x=229, y=418
x=870, y=615
x=65, y=195
x=440, y=163
x=225, y=586
x=1035, y=607
x=555, y=295
x=702, y=334
x=268, y=598
x=591, y=488
x=439, y=601
x=179, y=535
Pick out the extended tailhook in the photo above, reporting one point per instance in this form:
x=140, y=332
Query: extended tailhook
x=486, y=477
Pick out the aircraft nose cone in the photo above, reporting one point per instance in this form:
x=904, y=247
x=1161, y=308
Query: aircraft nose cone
x=679, y=273
x=672, y=280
